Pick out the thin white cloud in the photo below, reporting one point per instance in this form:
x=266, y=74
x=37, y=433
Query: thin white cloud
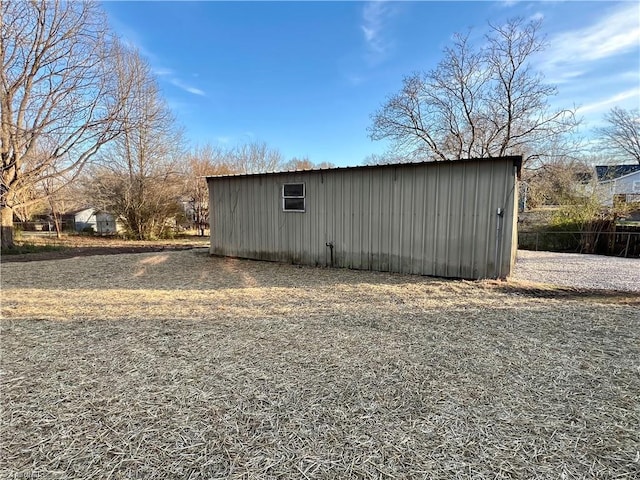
x=134, y=40
x=187, y=88
x=607, y=103
x=374, y=18
x=195, y=91
x=614, y=34
x=129, y=37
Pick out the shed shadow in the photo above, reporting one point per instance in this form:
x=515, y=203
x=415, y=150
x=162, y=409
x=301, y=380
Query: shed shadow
x=556, y=292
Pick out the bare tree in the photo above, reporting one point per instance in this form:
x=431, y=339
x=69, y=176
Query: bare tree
x=304, y=163
x=30, y=202
x=557, y=183
x=298, y=164
x=478, y=102
x=255, y=157
x=378, y=159
x=621, y=136
x=51, y=192
x=61, y=196
x=58, y=101
x=138, y=177
x=201, y=162
x=325, y=165
x=246, y=158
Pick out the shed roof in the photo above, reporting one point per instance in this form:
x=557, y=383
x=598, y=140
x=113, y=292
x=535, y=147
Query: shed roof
x=611, y=172
x=77, y=210
x=517, y=162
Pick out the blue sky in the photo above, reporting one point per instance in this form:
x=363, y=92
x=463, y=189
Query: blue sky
x=304, y=77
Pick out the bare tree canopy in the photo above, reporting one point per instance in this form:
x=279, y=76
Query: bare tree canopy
x=139, y=178
x=59, y=103
x=303, y=163
x=477, y=103
x=296, y=164
x=255, y=157
x=557, y=183
x=621, y=136
x=201, y=162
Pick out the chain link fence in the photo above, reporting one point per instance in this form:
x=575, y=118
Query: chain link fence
x=620, y=243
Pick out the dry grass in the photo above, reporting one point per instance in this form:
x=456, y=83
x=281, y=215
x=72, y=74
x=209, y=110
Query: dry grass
x=179, y=365
x=80, y=241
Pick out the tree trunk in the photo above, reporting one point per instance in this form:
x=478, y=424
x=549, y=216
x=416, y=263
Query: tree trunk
x=56, y=224
x=7, y=227
x=56, y=217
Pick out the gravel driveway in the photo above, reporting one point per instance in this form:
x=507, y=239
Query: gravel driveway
x=579, y=271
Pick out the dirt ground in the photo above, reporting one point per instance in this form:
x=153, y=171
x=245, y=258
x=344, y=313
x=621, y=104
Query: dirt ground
x=175, y=364
x=561, y=269
x=578, y=271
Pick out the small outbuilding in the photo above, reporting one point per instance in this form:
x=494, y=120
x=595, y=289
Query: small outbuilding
x=79, y=220
x=447, y=219
x=92, y=219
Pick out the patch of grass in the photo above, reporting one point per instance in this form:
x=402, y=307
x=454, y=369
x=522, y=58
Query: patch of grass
x=76, y=240
x=23, y=248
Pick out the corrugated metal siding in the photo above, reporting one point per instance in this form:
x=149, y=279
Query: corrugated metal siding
x=430, y=218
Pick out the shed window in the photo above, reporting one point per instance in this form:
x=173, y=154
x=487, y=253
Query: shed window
x=293, y=197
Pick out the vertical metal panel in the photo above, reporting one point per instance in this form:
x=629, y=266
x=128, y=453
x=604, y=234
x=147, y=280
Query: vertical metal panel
x=429, y=218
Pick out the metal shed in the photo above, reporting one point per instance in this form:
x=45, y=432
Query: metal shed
x=447, y=219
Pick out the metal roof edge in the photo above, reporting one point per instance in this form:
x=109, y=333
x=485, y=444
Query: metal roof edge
x=516, y=159
x=621, y=177
x=604, y=171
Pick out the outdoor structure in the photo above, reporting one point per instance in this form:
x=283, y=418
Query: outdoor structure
x=84, y=219
x=107, y=223
x=80, y=219
x=618, y=183
x=447, y=219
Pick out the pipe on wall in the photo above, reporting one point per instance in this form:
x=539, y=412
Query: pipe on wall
x=498, y=263
x=330, y=245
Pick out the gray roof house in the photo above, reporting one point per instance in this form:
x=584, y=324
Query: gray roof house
x=618, y=183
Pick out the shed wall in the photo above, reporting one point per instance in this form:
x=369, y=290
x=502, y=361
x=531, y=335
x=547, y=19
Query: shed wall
x=84, y=219
x=430, y=218
x=628, y=184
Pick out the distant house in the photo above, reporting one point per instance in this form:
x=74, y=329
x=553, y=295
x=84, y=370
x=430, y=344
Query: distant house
x=618, y=183
x=196, y=215
x=91, y=219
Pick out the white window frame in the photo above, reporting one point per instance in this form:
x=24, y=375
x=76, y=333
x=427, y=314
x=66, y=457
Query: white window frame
x=286, y=197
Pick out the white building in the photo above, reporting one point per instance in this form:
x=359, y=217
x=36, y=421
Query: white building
x=619, y=183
